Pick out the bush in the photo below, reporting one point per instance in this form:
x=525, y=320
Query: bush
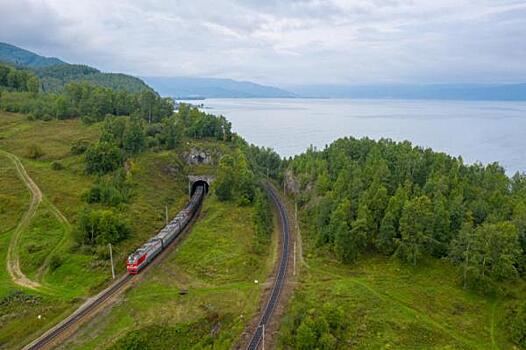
x=55, y=262
x=56, y=165
x=79, y=147
x=105, y=193
x=34, y=151
x=102, y=158
x=516, y=323
x=101, y=227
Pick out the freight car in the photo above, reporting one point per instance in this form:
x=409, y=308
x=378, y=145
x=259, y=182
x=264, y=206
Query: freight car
x=145, y=254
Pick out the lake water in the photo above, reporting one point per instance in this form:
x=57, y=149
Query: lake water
x=477, y=131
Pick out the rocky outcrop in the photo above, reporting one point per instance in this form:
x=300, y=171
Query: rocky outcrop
x=196, y=156
x=291, y=183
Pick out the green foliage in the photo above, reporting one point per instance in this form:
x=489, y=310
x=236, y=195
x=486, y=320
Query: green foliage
x=102, y=158
x=56, y=77
x=111, y=192
x=133, y=139
x=316, y=327
x=81, y=99
x=413, y=202
x=415, y=229
x=516, y=323
x=264, y=161
x=202, y=125
x=79, y=147
x=56, y=165
x=262, y=221
x=235, y=179
x=101, y=227
x=13, y=79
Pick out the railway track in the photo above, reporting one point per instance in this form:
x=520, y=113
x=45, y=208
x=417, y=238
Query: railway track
x=258, y=335
x=69, y=324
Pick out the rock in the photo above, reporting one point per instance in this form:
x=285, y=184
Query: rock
x=196, y=156
x=291, y=184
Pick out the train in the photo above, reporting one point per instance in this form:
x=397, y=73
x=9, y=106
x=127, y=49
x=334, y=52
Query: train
x=149, y=250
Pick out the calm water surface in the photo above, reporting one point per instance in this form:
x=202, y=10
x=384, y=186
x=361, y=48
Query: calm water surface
x=477, y=131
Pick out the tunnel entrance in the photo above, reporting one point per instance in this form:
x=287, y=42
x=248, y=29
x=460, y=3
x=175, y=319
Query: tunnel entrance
x=198, y=183
x=195, y=181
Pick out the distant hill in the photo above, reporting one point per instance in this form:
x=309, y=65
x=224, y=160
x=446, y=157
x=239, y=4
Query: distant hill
x=184, y=87
x=54, y=78
x=494, y=92
x=55, y=73
x=24, y=58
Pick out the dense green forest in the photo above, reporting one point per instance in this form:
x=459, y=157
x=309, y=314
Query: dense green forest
x=363, y=197
x=56, y=78
x=20, y=92
x=410, y=202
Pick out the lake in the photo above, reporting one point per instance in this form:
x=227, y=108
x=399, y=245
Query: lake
x=476, y=130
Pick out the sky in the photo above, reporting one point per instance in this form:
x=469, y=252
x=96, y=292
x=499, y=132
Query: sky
x=282, y=43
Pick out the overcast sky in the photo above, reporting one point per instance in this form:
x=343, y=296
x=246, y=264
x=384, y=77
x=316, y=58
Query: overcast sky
x=281, y=42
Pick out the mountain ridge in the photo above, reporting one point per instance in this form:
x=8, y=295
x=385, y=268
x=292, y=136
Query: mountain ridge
x=55, y=73
x=189, y=87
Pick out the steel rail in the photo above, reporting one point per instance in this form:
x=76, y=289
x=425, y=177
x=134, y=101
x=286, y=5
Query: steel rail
x=272, y=301
x=91, y=304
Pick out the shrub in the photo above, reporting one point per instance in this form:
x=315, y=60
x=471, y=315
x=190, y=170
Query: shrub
x=104, y=193
x=56, y=165
x=79, y=147
x=516, y=322
x=55, y=262
x=102, y=158
x=101, y=227
x=34, y=151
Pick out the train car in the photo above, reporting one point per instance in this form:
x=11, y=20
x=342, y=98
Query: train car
x=142, y=256
x=146, y=253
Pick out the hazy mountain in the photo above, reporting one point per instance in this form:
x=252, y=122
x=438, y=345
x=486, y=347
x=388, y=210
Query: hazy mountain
x=183, y=87
x=20, y=57
x=496, y=92
x=55, y=73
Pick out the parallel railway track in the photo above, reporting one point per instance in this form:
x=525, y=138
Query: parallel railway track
x=56, y=333
x=257, y=336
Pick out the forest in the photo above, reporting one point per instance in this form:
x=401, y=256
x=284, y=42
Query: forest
x=21, y=92
x=363, y=197
x=397, y=199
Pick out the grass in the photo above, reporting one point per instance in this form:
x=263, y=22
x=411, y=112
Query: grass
x=217, y=267
x=390, y=305
x=159, y=178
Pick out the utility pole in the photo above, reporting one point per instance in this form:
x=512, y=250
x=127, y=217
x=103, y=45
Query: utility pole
x=112, y=267
x=294, y=271
x=263, y=336
x=297, y=227
x=189, y=189
x=166, y=215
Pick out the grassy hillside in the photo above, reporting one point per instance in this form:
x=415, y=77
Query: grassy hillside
x=216, y=265
x=47, y=249
x=381, y=303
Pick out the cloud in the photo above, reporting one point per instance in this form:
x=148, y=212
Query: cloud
x=281, y=42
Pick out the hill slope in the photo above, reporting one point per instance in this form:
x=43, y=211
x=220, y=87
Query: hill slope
x=55, y=73
x=182, y=87
x=25, y=58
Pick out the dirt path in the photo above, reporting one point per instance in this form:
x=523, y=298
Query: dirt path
x=13, y=262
